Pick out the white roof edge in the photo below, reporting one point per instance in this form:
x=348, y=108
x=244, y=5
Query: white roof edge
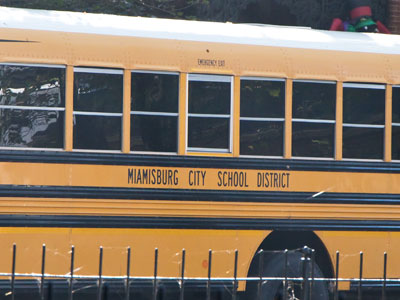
x=265, y=35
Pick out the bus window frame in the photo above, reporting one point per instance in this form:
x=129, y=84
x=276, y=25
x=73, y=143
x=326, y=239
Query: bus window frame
x=261, y=119
x=210, y=78
x=148, y=113
x=100, y=70
x=44, y=108
x=360, y=85
x=393, y=124
x=320, y=121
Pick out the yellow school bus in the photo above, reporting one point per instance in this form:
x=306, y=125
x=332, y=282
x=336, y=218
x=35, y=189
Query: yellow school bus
x=151, y=133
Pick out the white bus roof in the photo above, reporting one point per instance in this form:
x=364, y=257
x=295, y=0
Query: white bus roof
x=264, y=35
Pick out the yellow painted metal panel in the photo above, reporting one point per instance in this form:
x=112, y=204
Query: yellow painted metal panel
x=69, y=108
x=126, y=113
x=350, y=244
x=339, y=122
x=288, y=119
x=388, y=124
x=170, y=243
x=203, y=209
x=191, y=56
x=182, y=128
x=236, y=116
x=37, y=174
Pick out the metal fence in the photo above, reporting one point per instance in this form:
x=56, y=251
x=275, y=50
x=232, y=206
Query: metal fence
x=304, y=282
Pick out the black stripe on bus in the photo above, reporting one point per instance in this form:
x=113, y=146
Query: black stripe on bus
x=16, y=41
x=195, y=195
x=67, y=221
x=175, y=161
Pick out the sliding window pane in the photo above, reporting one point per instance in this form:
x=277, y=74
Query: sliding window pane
x=31, y=128
x=97, y=132
x=396, y=142
x=314, y=100
x=208, y=97
x=32, y=86
x=363, y=105
x=211, y=133
x=363, y=143
x=262, y=98
x=396, y=105
x=155, y=92
x=154, y=133
x=98, y=92
x=313, y=139
x=261, y=138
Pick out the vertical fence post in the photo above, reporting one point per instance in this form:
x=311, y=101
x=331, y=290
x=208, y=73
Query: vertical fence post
x=42, y=276
x=260, y=272
x=128, y=271
x=182, y=289
x=306, y=263
x=13, y=271
x=336, y=297
x=155, y=282
x=384, y=276
x=234, y=288
x=285, y=285
x=71, y=278
x=100, y=280
x=361, y=274
x=209, y=275
x=312, y=272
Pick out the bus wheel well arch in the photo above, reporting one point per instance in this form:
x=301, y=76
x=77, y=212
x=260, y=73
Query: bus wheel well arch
x=288, y=239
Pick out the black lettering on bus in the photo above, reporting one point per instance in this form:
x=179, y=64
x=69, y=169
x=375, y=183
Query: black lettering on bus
x=158, y=176
x=219, y=178
x=176, y=177
x=203, y=175
x=229, y=183
x=145, y=176
x=190, y=178
x=130, y=176
x=275, y=180
x=266, y=180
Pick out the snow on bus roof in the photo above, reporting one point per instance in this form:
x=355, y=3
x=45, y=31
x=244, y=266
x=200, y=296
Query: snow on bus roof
x=251, y=34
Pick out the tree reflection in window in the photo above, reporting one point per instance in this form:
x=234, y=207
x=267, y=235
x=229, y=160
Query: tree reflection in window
x=363, y=120
x=262, y=111
x=32, y=100
x=97, y=109
x=154, y=112
x=209, y=113
x=313, y=128
x=396, y=123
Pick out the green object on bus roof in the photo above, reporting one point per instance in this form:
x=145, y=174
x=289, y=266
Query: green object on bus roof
x=364, y=24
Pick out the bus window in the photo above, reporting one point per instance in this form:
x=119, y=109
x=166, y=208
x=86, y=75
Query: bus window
x=154, y=112
x=209, y=113
x=97, y=109
x=32, y=106
x=396, y=123
x=262, y=113
x=313, y=128
x=363, y=120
